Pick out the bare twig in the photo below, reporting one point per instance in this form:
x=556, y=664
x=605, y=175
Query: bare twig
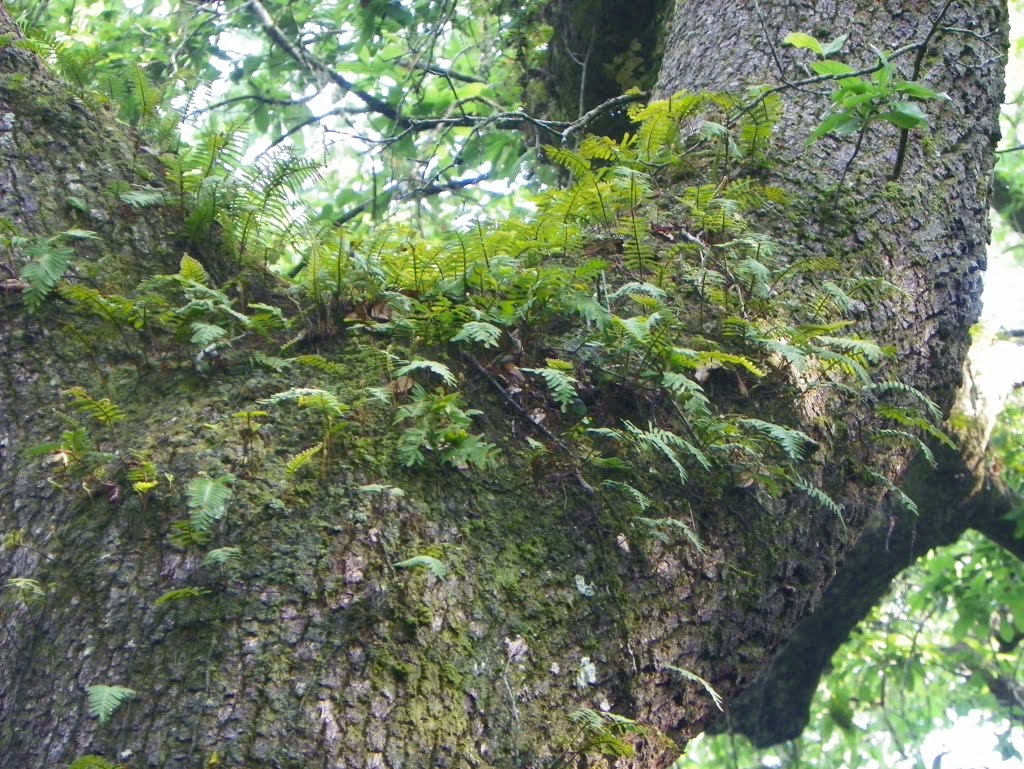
x=901, y=153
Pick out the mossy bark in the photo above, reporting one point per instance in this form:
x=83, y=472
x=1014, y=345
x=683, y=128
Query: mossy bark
x=315, y=650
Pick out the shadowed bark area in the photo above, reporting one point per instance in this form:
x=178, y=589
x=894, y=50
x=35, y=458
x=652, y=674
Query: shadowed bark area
x=317, y=650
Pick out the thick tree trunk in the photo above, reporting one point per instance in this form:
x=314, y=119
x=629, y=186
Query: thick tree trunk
x=316, y=651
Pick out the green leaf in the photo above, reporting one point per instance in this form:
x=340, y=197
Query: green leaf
x=104, y=700
x=803, y=40
x=905, y=115
x=831, y=68
x=791, y=441
x=840, y=123
x=835, y=45
x=918, y=91
x=436, y=567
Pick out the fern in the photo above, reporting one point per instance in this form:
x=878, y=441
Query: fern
x=902, y=436
x=141, y=197
x=559, y=384
x=105, y=700
x=181, y=594
x=49, y=262
x=792, y=442
x=205, y=334
x=478, y=331
x=93, y=762
x=900, y=495
x=190, y=269
x=103, y=410
x=300, y=460
x=207, y=500
x=819, y=496
x=890, y=386
x=221, y=556
x=656, y=526
x=433, y=565
x=432, y=366
x=715, y=696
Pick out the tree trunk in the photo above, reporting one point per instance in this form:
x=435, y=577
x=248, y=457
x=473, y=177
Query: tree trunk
x=316, y=650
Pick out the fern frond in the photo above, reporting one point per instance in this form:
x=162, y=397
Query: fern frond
x=104, y=700
x=103, y=410
x=142, y=197
x=207, y=500
x=791, y=441
x=205, y=334
x=561, y=386
x=573, y=162
x=432, y=366
x=479, y=331
x=903, y=388
x=181, y=594
x=221, y=556
x=909, y=439
x=435, y=566
x=300, y=460
x=819, y=496
x=49, y=262
x=896, y=491
x=715, y=696
x=191, y=269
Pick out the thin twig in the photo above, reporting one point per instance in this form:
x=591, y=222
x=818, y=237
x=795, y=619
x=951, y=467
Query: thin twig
x=901, y=153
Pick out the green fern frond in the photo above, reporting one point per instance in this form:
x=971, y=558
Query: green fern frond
x=207, y=500
x=715, y=696
x=819, y=496
x=103, y=410
x=312, y=398
x=205, y=334
x=561, y=386
x=321, y=364
x=911, y=418
x=433, y=565
x=903, y=388
x=49, y=262
x=900, y=495
x=480, y=332
x=221, y=556
x=902, y=436
x=432, y=366
x=142, y=197
x=104, y=700
x=573, y=162
x=181, y=594
x=300, y=460
x=191, y=269
x=791, y=441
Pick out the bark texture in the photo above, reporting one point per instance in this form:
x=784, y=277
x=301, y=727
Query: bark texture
x=317, y=651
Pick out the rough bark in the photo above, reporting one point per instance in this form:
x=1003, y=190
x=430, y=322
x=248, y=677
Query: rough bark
x=317, y=651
